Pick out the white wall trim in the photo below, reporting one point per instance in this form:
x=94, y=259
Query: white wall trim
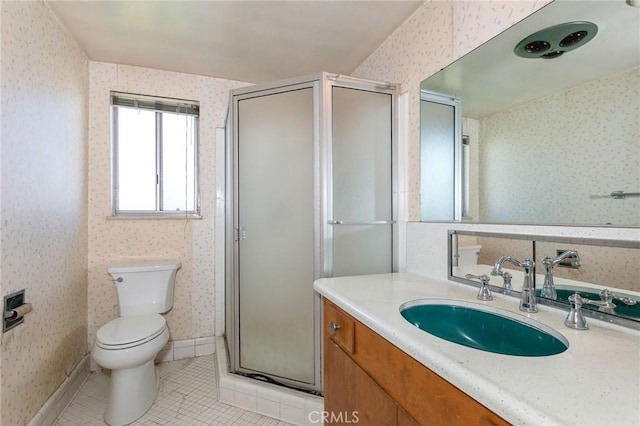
x=403, y=163
x=57, y=402
x=219, y=225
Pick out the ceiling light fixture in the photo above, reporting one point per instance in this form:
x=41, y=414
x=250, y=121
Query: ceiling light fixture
x=554, y=41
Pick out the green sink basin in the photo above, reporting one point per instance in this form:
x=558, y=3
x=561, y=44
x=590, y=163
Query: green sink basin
x=484, y=328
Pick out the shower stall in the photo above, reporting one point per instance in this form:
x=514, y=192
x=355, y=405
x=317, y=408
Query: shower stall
x=310, y=194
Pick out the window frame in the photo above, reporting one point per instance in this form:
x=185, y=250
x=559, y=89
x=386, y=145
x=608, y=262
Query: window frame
x=158, y=105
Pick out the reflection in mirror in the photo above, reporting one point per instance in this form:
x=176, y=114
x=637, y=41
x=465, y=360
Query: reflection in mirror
x=551, y=140
x=440, y=130
x=603, y=271
x=476, y=254
x=601, y=268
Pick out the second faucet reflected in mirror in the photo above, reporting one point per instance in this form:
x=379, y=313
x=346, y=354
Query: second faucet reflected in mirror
x=602, y=271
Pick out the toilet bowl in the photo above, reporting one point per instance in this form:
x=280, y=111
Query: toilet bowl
x=128, y=345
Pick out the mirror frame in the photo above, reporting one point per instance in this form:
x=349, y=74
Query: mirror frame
x=610, y=318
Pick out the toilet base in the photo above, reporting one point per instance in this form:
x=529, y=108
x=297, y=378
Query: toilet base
x=131, y=393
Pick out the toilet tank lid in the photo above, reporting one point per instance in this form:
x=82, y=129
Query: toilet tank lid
x=143, y=267
x=473, y=247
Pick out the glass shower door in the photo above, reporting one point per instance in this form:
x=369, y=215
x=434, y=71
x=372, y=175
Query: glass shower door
x=276, y=234
x=362, y=180
x=311, y=184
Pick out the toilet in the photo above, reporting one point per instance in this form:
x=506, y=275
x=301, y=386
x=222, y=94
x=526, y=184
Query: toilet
x=468, y=255
x=128, y=345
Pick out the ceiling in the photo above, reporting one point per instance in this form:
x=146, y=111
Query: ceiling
x=252, y=41
x=492, y=78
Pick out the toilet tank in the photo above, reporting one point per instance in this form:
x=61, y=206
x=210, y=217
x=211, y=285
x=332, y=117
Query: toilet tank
x=468, y=255
x=144, y=289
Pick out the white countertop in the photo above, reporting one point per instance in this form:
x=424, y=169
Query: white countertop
x=596, y=381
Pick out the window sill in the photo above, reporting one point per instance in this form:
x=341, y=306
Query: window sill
x=155, y=217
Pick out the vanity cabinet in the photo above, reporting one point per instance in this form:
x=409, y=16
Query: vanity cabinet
x=369, y=381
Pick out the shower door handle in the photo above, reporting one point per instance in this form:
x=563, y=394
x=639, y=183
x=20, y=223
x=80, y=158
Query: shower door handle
x=241, y=234
x=372, y=222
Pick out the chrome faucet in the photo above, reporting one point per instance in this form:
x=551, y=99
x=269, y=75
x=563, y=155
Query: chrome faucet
x=506, y=280
x=549, y=288
x=528, y=295
x=484, y=293
x=605, y=304
x=576, y=320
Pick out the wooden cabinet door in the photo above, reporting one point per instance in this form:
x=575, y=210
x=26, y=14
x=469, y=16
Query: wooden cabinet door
x=339, y=384
x=404, y=419
x=351, y=396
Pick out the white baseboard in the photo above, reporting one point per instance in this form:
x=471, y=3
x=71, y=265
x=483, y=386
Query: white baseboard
x=189, y=348
x=179, y=349
x=57, y=402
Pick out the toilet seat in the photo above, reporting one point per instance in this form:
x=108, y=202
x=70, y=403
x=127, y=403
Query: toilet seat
x=130, y=331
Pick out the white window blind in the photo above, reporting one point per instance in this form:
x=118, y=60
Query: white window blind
x=154, y=144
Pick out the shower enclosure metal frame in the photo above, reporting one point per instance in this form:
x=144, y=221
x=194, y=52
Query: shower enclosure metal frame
x=322, y=85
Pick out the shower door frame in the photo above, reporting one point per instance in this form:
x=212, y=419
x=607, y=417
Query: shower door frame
x=329, y=82
x=322, y=85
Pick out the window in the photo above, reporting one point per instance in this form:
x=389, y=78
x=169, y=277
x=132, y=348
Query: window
x=154, y=154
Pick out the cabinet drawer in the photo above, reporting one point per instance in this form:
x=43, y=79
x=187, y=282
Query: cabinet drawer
x=338, y=326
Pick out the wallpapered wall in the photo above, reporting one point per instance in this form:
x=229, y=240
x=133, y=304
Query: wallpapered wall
x=44, y=213
x=436, y=34
x=580, y=142
x=114, y=241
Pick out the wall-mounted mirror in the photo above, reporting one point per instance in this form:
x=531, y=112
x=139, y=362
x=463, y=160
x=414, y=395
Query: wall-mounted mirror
x=550, y=141
x=564, y=266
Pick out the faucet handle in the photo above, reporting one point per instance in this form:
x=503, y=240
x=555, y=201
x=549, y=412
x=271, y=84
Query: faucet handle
x=629, y=301
x=484, y=293
x=605, y=304
x=506, y=278
x=606, y=296
x=575, y=319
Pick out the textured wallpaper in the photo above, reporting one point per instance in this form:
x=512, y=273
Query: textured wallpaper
x=44, y=213
x=493, y=248
x=113, y=241
x=581, y=143
x=436, y=34
x=612, y=267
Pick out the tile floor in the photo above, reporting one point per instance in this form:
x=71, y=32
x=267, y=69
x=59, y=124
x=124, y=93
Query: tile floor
x=188, y=396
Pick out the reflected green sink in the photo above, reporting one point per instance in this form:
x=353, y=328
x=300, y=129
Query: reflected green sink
x=485, y=328
x=563, y=294
x=622, y=309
